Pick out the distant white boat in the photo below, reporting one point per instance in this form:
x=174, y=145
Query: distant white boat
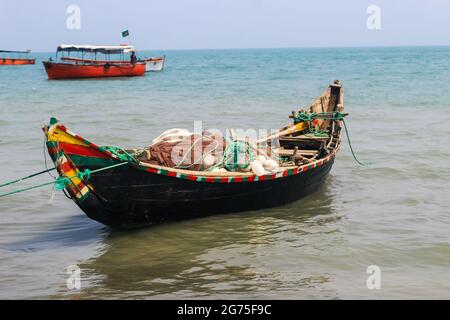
x=154, y=64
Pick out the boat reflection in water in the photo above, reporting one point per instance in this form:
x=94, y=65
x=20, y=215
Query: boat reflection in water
x=271, y=253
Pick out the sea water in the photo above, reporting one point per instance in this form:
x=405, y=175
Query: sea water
x=377, y=231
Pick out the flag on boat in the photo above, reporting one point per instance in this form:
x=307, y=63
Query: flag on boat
x=125, y=33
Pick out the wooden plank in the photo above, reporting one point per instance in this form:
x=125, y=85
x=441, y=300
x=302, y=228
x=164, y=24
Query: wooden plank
x=303, y=138
x=290, y=152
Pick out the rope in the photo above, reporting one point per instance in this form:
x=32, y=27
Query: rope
x=120, y=153
x=335, y=115
x=232, y=151
x=350, y=145
x=61, y=182
x=237, y=147
x=25, y=178
x=309, y=117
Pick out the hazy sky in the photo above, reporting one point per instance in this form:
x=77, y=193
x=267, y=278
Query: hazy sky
x=192, y=24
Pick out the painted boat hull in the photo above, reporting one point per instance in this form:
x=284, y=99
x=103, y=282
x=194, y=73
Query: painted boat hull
x=57, y=70
x=16, y=62
x=135, y=195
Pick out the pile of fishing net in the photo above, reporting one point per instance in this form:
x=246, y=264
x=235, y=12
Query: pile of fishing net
x=179, y=148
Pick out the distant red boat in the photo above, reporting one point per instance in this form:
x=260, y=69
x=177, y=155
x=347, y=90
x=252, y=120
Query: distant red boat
x=152, y=64
x=73, y=68
x=10, y=60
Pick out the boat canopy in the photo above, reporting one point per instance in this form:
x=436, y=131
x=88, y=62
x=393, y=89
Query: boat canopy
x=96, y=49
x=13, y=51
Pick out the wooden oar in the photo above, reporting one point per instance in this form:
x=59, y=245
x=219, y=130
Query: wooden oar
x=297, y=127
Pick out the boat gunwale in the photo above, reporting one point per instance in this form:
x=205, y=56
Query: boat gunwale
x=210, y=176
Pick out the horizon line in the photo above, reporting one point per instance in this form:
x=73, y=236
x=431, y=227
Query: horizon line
x=307, y=47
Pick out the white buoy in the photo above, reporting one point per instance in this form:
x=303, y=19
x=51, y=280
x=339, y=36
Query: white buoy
x=172, y=135
x=270, y=165
x=261, y=158
x=257, y=168
x=208, y=161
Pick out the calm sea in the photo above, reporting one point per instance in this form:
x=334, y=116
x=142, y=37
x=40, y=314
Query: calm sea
x=394, y=214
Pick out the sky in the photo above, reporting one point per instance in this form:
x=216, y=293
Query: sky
x=41, y=25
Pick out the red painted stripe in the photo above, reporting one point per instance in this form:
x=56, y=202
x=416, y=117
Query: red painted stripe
x=273, y=176
x=65, y=167
x=171, y=174
x=81, y=150
x=152, y=170
x=191, y=177
x=238, y=179
x=209, y=179
x=305, y=168
x=224, y=180
x=52, y=150
x=251, y=178
x=295, y=171
x=285, y=173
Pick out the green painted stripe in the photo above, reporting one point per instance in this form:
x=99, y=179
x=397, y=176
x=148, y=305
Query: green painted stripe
x=52, y=144
x=90, y=161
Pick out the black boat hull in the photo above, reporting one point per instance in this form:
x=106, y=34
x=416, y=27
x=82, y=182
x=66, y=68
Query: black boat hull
x=127, y=198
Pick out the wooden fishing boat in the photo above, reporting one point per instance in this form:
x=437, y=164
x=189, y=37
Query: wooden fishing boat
x=15, y=58
x=122, y=190
x=71, y=68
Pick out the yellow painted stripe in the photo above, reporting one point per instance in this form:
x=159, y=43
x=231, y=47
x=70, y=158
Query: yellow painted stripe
x=72, y=173
x=57, y=135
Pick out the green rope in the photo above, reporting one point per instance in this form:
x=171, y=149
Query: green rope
x=62, y=182
x=120, y=153
x=335, y=115
x=25, y=178
x=230, y=156
x=232, y=152
x=309, y=117
x=350, y=145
